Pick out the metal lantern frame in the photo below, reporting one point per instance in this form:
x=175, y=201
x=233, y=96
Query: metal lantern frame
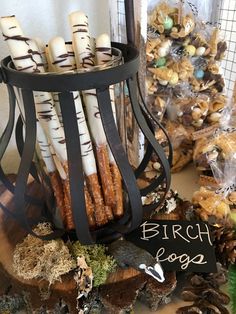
x=65, y=84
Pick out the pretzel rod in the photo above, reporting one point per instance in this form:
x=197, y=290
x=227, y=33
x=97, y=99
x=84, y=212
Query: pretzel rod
x=81, y=40
x=99, y=137
x=71, y=55
x=61, y=62
x=49, y=61
x=59, y=194
x=42, y=50
x=26, y=57
x=90, y=209
x=95, y=191
x=52, y=171
x=68, y=212
x=104, y=55
x=85, y=59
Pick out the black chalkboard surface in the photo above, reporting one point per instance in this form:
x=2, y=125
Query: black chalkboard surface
x=178, y=245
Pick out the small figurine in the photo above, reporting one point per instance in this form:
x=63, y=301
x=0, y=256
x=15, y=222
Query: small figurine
x=127, y=254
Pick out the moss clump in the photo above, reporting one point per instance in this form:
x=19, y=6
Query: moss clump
x=96, y=258
x=11, y=304
x=38, y=259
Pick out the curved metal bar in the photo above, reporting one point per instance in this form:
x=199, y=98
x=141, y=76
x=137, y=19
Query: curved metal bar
x=6, y=136
x=20, y=145
x=27, y=155
x=129, y=19
x=131, y=82
x=142, y=166
x=4, y=141
x=121, y=159
x=76, y=176
x=149, y=115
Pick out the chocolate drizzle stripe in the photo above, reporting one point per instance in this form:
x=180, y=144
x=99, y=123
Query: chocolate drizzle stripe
x=80, y=25
x=102, y=49
x=87, y=143
x=64, y=55
x=25, y=68
x=80, y=30
x=16, y=37
x=46, y=111
x=62, y=141
x=90, y=94
x=65, y=66
x=59, y=61
x=6, y=17
x=22, y=57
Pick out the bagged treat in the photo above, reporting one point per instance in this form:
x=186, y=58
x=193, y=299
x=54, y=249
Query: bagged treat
x=181, y=140
x=183, y=55
x=215, y=200
x=220, y=145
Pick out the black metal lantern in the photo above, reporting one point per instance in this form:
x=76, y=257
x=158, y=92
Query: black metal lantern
x=65, y=84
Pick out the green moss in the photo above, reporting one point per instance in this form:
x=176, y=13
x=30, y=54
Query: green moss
x=232, y=286
x=96, y=258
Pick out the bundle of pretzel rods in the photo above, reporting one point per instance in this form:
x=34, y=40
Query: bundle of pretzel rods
x=102, y=179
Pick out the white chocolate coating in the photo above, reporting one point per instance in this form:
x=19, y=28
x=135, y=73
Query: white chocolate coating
x=45, y=149
x=26, y=57
x=42, y=49
x=103, y=49
x=71, y=54
x=61, y=62
x=104, y=55
x=81, y=40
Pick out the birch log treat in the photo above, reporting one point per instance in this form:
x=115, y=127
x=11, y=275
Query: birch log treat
x=86, y=59
x=71, y=54
x=26, y=57
x=52, y=171
x=61, y=62
x=104, y=55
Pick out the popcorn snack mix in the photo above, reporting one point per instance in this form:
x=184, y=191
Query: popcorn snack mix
x=183, y=57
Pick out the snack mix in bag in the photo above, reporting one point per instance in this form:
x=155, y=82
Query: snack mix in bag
x=183, y=56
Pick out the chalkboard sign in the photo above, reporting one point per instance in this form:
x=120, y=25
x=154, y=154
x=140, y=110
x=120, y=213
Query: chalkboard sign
x=178, y=245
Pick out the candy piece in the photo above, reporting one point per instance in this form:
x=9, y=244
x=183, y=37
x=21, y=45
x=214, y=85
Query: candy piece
x=163, y=74
x=198, y=123
x=162, y=52
x=199, y=74
x=168, y=23
x=160, y=62
x=174, y=79
x=167, y=44
x=164, y=83
x=200, y=51
x=191, y=50
x=214, y=117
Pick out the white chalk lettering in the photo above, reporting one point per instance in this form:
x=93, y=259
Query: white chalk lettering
x=165, y=233
x=149, y=230
x=185, y=260
x=207, y=233
x=187, y=231
x=176, y=229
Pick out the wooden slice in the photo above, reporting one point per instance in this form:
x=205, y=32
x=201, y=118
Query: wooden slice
x=118, y=294
x=11, y=234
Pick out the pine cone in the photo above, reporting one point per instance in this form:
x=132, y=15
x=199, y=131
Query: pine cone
x=204, y=291
x=224, y=240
